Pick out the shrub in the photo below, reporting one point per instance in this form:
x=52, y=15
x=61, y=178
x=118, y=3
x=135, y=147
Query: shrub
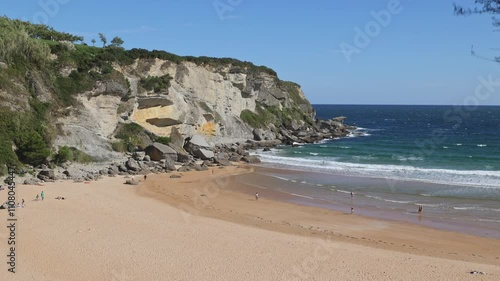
x=63, y=155
x=252, y=119
x=155, y=83
x=31, y=148
x=119, y=146
x=73, y=154
x=163, y=140
x=132, y=135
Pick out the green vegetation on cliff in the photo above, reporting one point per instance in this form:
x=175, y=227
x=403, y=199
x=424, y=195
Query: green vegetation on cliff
x=42, y=71
x=156, y=84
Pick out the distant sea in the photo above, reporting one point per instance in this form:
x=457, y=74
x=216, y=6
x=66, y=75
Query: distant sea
x=442, y=157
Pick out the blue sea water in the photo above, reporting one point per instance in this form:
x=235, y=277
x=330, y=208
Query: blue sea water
x=443, y=157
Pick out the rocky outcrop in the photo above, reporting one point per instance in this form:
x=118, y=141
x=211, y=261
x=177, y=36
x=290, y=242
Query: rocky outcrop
x=158, y=151
x=198, y=147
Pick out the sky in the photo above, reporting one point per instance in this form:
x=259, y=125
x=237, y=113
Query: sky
x=339, y=51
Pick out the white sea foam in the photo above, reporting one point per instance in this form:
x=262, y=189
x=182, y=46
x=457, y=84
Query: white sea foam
x=429, y=205
x=482, y=145
x=313, y=153
x=476, y=208
x=407, y=158
x=280, y=178
x=476, y=178
x=303, y=196
x=343, y=191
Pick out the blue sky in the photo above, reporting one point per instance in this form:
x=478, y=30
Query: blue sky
x=420, y=56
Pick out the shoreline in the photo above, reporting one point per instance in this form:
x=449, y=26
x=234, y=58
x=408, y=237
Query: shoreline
x=206, y=225
x=369, y=205
x=235, y=203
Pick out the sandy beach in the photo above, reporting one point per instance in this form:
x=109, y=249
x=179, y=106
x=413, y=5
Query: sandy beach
x=208, y=226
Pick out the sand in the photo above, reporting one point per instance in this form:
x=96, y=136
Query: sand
x=208, y=226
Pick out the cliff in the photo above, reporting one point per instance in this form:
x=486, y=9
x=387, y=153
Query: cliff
x=57, y=93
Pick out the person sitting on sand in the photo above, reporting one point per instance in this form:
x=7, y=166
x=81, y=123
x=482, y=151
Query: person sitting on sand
x=37, y=197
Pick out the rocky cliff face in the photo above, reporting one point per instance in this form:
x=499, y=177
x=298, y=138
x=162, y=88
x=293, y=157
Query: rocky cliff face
x=62, y=102
x=198, y=100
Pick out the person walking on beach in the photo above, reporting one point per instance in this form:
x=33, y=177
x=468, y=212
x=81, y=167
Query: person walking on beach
x=42, y=195
x=256, y=196
x=145, y=177
x=352, y=209
x=22, y=204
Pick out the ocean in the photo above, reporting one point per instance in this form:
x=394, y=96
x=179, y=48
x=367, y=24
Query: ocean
x=445, y=158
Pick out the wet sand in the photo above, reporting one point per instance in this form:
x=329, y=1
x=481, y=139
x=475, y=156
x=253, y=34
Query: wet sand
x=208, y=226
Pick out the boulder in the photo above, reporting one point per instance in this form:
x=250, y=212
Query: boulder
x=182, y=155
x=198, y=167
x=207, y=163
x=204, y=154
x=198, y=140
x=132, y=182
x=235, y=158
x=139, y=155
x=158, y=151
x=183, y=169
x=224, y=163
x=46, y=174
x=33, y=181
x=258, y=134
x=222, y=156
x=169, y=165
x=251, y=159
x=261, y=135
x=122, y=168
x=132, y=165
x=113, y=170
x=176, y=138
